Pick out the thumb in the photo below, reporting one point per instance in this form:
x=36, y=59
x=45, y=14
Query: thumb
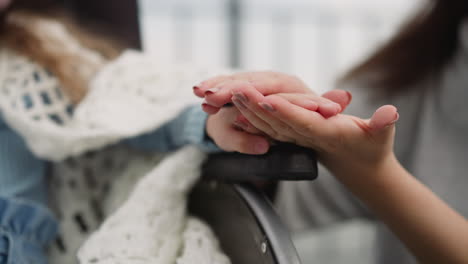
x=382, y=122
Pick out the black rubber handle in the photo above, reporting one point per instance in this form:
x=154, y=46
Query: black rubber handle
x=284, y=161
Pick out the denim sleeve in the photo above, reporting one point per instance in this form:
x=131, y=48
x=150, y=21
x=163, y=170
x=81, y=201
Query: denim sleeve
x=26, y=228
x=21, y=173
x=187, y=128
x=26, y=225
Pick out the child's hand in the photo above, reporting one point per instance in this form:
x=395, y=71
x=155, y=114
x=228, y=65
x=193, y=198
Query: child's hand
x=217, y=91
x=231, y=132
x=342, y=141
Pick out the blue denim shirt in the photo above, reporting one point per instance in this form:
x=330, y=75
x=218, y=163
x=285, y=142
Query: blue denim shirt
x=26, y=224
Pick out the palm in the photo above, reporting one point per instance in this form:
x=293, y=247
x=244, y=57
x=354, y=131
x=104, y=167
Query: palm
x=338, y=135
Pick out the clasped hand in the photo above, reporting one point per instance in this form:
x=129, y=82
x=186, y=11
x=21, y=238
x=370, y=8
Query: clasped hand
x=281, y=107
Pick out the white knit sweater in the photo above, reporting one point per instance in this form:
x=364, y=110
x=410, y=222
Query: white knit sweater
x=129, y=96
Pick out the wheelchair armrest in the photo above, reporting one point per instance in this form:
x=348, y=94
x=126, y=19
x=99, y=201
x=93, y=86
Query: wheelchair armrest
x=248, y=228
x=284, y=161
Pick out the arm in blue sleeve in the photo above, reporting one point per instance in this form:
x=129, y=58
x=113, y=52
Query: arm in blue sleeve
x=187, y=128
x=22, y=175
x=26, y=225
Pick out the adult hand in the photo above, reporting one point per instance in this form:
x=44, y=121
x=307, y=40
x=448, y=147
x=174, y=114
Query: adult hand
x=217, y=91
x=339, y=140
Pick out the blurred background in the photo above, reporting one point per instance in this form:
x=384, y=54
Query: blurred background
x=314, y=39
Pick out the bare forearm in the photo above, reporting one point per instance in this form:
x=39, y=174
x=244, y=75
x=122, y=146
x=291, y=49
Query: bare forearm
x=433, y=231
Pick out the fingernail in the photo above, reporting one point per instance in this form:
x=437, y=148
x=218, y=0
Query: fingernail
x=205, y=103
x=336, y=107
x=238, y=103
x=397, y=116
x=261, y=147
x=241, y=97
x=267, y=106
x=196, y=88
x=212, y=90
x=350, y=96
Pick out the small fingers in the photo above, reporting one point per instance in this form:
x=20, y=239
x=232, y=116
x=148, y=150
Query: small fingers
x=253, y=119
x=229, y=137
x=324, y=106
x=265, y=82
x=269, y=82
x=251, y=144
x=341, y=97
x=245, y=143
x=244, y=124
x=302, y=101
x=306, y=122
x=247, y=100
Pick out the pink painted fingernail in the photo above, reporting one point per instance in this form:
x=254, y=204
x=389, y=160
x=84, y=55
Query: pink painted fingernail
x=350, y=96
x=205, y=103
x=397, y=116
x=196, y=88
x=238, y=103
x=212, y=90
x=241, y=97
x=261, y=147
x=267, y=106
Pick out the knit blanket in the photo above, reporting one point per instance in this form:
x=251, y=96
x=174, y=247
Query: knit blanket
x=132, y=95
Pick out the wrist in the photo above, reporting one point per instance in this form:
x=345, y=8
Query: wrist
x=359, y=174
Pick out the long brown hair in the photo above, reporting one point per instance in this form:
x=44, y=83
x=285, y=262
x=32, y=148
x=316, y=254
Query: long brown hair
x=423, y=46
x=37, y=46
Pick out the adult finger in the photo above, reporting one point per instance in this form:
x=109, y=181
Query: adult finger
x=264, y=82
x=269, y=82
x=211, y=110
x=245, y=125
x=305, y=122
x=252, y=118
x=222, y=93
x=201, y=88
x=248, y=99
x=341, y=97
x=312, y=102
x=306, y=102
